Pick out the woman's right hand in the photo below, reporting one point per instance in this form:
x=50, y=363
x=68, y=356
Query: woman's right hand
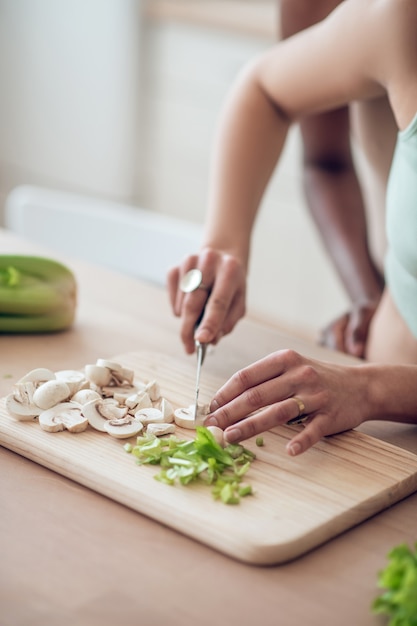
x=222, y=296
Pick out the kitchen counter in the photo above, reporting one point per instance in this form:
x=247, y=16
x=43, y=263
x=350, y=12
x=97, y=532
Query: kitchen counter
x=72, y=556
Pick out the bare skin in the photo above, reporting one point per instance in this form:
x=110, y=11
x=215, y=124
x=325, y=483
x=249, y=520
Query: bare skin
x=334, y=196
x=337, y=398
x=399, y=345
x=345, y=57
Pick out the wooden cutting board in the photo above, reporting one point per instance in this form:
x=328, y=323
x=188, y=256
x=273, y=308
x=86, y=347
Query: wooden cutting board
x=298, y=503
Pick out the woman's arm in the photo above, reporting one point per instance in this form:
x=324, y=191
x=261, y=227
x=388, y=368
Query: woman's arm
x=334, y=198
x=317, y=70
x=335, y=398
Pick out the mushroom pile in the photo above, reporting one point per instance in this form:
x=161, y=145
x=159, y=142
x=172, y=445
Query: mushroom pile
x=106, y=396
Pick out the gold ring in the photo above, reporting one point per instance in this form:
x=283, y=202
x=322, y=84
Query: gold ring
x=301, y=417
x=192, y=280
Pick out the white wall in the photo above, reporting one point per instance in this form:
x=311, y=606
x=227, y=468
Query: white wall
x=69, y=84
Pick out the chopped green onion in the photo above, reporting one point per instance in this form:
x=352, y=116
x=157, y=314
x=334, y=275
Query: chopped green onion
x=399, y=579
x=259, y=441
x=200, y=460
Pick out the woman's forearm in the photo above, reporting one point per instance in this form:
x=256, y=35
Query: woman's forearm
x=392, y=392
x=249, y=141
x=336, y=204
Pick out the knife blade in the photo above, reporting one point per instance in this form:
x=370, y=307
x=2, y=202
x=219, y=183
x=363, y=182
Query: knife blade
x=201, y=353
x=191, y=281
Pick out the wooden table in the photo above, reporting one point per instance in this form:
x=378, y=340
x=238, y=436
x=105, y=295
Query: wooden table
x=71, y=556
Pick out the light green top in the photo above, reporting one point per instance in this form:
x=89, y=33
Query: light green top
x=401, y=224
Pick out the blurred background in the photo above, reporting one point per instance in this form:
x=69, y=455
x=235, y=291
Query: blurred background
x=117, y=100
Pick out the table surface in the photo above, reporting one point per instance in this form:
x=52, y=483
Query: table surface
x=72, y=556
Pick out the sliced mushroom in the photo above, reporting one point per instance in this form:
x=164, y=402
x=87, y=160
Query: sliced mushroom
x=51, y=393
x=97, y=374
x=23, y=392
x=123, y=428
x=121, y=391
x=124, y=376
x=66, y=415
x=85, y=395
x=139, y=400
x=74, y=379
x=160, y=429
x=185, y=417
x=20, y=402
x=95, y=387
x=119, y=374
x=111, y=411
x=167, y=409
x=100, y=411
x=202, y=410
x=38, y=376
x=150, y=416
x=218, y=434
x=110, y=365
x=153, y=390
x=106, y=396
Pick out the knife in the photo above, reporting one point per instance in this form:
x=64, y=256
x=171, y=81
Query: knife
x=201, y=353
x=191, y=281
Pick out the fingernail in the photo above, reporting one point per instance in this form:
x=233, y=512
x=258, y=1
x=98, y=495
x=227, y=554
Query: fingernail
x=203, y=335
x=211, y=421
x=293, y=448
x=214, y=405
x=235, y=434
x=352, y=346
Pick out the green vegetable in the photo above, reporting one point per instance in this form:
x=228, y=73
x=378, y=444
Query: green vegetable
x=199, y=460
x=37, y=294
x=399, y=578
x=259, y=441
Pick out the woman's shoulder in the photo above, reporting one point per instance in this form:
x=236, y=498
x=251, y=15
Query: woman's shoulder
x=400, y=18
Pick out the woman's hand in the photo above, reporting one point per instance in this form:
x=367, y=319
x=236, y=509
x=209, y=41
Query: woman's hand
x=221, y=296
x=349, y=332
x=271, y=392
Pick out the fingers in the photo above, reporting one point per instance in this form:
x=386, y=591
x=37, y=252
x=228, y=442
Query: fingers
x=218, y=306
x=333, y=336
x=174, y=278
x=349, y=332
x=285, y=386
x=263, y=395
x=357, y=330
x=266, y=419
x=246, y=391
x=313, y=430
x=226, y=304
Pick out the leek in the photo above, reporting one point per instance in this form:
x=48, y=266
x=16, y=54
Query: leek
x=399, y=579
x=200, y=460
x=37, y=294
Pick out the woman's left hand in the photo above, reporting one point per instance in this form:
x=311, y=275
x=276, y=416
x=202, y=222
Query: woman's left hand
x=284, y=385
x=349, y=332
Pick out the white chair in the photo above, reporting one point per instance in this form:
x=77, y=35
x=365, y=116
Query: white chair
x=125, y=238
